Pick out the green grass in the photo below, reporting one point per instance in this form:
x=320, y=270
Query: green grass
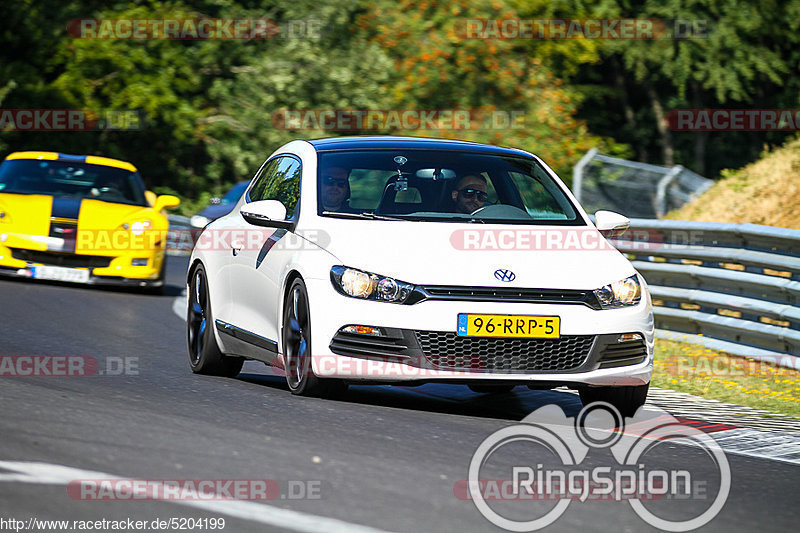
x=742, y=381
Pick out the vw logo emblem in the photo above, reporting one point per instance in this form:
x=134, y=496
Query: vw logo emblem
x=504, y=275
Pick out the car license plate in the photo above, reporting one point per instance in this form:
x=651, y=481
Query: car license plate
x=77, y=275
x=527, y=326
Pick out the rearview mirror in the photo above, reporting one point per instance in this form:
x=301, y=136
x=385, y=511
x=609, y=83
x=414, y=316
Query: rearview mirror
x=166, y=201
x=436, y=173
x=269, y=213
x=611, y=224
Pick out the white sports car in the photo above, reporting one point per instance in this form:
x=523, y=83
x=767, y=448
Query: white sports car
x=397, y=259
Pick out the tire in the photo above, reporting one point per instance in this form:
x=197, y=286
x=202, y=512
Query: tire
x=296, y=343
x=500, y=388
x=627, y=400
x=205, y=357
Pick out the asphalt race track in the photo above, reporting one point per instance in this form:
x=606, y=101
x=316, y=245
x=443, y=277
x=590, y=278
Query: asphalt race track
x=379, y=458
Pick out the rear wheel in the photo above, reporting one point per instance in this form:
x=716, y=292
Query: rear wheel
x=300, y=375
x=625, y=399
x=205, y=357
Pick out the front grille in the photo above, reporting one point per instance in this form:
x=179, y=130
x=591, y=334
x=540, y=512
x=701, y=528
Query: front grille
x=448, y=351
x=623, y=354
x=511, y=294
x=64, y=228
x=61, y=259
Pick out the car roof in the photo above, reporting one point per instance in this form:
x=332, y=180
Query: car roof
x=89, y=159
x=418, y=143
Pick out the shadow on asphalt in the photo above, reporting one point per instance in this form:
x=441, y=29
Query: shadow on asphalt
x=443, y=398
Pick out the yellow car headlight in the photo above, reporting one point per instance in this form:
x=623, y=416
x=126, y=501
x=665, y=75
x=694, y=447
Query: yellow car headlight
x=138, y=227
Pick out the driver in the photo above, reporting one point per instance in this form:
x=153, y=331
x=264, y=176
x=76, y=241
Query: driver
x=470, y=193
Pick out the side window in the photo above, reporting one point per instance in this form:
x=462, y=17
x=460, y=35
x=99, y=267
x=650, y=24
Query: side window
x=279, y=180
x=256, y=192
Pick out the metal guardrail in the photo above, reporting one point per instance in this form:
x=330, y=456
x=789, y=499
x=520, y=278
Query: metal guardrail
x=738, y=284
x=735, y=283
x=179, y=237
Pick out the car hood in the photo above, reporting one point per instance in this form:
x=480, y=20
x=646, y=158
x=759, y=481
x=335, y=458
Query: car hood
x=213, y=212
x=469, y=254
x=35, y=215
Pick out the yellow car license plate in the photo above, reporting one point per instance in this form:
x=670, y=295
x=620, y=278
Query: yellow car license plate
x=528, y=326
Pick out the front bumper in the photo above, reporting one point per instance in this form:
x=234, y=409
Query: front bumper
x=420, y=343
x=139, y=268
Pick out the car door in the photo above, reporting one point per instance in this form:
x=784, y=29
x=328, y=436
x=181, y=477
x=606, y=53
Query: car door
x=257, y=264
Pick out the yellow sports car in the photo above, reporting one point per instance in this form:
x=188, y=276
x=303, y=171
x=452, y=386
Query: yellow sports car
x=84, y=219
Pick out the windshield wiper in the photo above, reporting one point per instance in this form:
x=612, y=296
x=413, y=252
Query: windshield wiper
x=368, y=216
x=470, y=220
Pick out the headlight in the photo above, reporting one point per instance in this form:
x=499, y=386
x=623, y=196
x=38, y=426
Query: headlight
x=199, y=221
x=368, y=286
x=138, y=227
x=622, y=293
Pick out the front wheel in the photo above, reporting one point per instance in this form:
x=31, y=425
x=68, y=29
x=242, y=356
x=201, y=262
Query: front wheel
x=205, y=357
x=300, y=375
x=627, y=400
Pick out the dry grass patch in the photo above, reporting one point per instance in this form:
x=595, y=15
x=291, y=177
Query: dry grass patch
x=719, y=376
x=764, y=192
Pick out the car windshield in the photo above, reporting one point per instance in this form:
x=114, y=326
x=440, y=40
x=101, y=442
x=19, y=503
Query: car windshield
x=440, y=186
x=65, y=179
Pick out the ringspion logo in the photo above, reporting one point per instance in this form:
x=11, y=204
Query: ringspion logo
x=571, y=474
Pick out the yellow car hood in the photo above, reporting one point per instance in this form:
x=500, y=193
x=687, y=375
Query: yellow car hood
x=43, y=222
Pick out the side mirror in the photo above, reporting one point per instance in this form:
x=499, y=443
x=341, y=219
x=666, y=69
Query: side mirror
x=166, y=201
x=151, y=197
x=269, y=213
x=611, y=224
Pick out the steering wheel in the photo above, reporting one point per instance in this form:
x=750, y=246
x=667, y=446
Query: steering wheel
x=501, y=211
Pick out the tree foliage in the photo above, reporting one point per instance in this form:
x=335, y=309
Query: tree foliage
x=209, y=107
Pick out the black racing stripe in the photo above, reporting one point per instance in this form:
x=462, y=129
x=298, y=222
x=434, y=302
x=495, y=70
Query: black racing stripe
x=69, y=209
x=66, y=208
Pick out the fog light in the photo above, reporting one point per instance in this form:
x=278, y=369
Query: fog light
x=628, y=337
x=363, y=330
x=139, y=261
